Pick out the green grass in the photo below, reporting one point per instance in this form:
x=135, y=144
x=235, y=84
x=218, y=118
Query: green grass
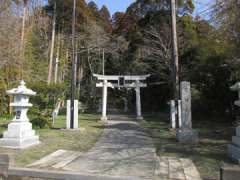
x=208, y=155
x=57, y=138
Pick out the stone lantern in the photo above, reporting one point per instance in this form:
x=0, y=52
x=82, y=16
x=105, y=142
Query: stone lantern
x=20, y=133
x=234, y=147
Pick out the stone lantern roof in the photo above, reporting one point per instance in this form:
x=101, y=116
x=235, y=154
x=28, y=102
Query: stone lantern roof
x=21, y=90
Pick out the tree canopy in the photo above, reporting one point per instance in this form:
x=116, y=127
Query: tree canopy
x=137, y=41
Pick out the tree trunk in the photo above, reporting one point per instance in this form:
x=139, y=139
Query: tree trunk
x=52, y=45
x=80, y=75
x=74, y=65
x=103, y=62
x=57, y=61
x=22, y=39
x=7, y=77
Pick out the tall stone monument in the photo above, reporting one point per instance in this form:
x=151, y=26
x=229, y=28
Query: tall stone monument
x=20, y=133
x=234, y=147
x=185, y=131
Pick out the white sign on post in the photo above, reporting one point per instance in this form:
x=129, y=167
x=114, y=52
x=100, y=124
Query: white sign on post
x=75, y=121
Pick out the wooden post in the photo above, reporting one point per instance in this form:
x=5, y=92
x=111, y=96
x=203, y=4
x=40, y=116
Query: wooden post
x=175, y=58
x=74, y=63
x=175, y=51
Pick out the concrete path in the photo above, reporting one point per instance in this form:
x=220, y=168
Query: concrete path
x=171, y=168
x=124, y=149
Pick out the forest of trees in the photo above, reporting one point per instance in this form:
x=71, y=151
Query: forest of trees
x=35, y=45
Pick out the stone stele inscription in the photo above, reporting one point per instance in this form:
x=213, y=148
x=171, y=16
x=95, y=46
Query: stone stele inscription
x=185, y=91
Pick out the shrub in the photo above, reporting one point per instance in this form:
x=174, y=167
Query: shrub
x=44, y=103
x=41, y=122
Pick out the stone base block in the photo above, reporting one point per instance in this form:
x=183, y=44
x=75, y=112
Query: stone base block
x=104, y=119
x=236, y=140
x=78, y=129
x=238, y=131
x=19, y=143
x=139, y=118
x=187, y=135
x=19, y=130
x=229, y=172
x=234, y=152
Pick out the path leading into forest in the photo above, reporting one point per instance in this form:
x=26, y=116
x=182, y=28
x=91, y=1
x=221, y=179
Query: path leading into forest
x=124, y=149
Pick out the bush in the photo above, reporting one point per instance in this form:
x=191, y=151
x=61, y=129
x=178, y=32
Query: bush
x=3, y=100
x=41, y=122
x=46, y=98
x=44, y=102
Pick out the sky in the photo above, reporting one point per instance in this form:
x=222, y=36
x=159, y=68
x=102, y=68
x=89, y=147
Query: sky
x=203, y=7
x=114, y=5
x=121, y=5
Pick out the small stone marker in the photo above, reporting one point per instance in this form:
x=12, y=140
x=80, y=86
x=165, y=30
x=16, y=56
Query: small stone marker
x=20, y=133
x=185, y=132
x=234, y=147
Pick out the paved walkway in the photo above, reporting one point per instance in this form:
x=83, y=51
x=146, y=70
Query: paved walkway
x=124, y=150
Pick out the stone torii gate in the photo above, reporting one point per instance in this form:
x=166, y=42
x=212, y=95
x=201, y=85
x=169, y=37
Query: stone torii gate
x=121, y=82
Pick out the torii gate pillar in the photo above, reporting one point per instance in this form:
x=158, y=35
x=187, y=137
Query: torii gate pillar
x=138, y=101
x=104, y=101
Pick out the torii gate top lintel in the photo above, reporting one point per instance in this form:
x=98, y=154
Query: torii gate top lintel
x=115, y=77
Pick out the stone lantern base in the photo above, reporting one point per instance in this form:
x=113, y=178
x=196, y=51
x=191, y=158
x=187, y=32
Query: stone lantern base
x=187, y=135
x=19, y=135
x=234, y=147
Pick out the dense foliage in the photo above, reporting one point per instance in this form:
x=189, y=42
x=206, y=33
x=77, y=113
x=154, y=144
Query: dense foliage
x=135, y=42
